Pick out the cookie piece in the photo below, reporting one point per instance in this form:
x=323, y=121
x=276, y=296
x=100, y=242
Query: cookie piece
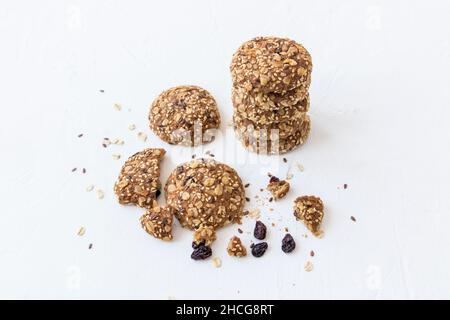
x=309, y=209
x=272, y=144
x=235, y=247
x=271, y=100
x=282, y=129
x=260, y=115
x=184, y=115
x=158, y=221
x=204, y=235
x=205, y=193
x=270, y=64
x=278, y=188
x=138, y=181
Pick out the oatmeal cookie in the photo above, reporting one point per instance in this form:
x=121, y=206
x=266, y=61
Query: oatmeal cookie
x=264, y=145
x=185, y=115
x=204, y=192
x=138, y=181
x=270, y=64
x=259, y=115
x=309, y=209
x=158, y=221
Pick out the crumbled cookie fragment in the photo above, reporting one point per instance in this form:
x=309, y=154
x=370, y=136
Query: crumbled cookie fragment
x=184, y=115
x=236, y=248
x=217, y=262
x=309, y=209
x=278, y=188
x=204, y=235
x=204, y=192
x=138, y=182
x=158, y=221
x=308, y=266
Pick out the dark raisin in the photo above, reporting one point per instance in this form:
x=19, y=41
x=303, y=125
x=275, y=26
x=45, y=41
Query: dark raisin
x=288, y=243
x=274, y=179
x=196, y=245
x=259, y=249
x=201, y=253
x=260, y=230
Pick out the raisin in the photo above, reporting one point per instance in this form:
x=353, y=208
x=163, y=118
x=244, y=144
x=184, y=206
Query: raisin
x=259, y=249
x=260, y=230
x=288, y=243
x=201, y=253
x=274, y=179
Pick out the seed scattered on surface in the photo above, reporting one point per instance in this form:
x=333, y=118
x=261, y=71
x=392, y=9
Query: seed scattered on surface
x=142, y=136
x=89, y=188
x=217, y=263
x=116, y=156
x=259, y=249
x=312, y=254
x=81, y=231
x=100, y=194
x=247, y=185
x=284, y=160
x=117, y=106
x=353, y=218
x=260, y=230
x=131, y=127
x=119, y=142
x=288, y=243
x=240, y=230
x=201, y=253
x=102, y=91
x=104, y=145
x=308, y=266
x=90, y=246
x=286, y=229
x=270, y=199
x=74, y=169
x=193, y=156
x=247, y=199
x=84, y=170
x=80, y=135
x=345, y=186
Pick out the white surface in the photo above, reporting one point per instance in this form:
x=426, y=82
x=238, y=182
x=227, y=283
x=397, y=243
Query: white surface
x=380, y=110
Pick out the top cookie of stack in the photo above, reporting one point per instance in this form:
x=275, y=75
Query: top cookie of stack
x=271, y=78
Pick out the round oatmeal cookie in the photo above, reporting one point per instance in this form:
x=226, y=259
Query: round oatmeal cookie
x=260, y=115
x=285, y=128
x=138, y=181
x=205, y=193
x=271, y=100
x=270, y=64
x=268, y=145
x=185, y=115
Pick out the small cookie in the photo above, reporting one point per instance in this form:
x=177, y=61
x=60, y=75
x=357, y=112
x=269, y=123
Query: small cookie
x=184, y=115
x=270, y=64
x=205, y=193
x=278, y=188
x=259, y=115
x=309, y=209
x=272, y=145
x=204, y=236
x=235, y=247
x=138, y=181
x=158, y=221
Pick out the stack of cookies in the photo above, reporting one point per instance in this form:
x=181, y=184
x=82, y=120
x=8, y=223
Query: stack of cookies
x=271, y=78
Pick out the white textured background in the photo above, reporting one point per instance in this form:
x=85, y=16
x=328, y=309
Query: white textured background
x=380, y=110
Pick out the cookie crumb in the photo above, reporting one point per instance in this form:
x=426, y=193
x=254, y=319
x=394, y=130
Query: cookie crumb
x=142, y=136
x=117, y=106
x=204, y=235
x=81, y=231
x=100, y=194
x=217, y=263
x=89, y=188
x=116, y=156
x=236, y=248
x=131, y=127
x=278, y=188
x=300, y=167
x=309, y=209
x=308, y=266
x=254, y=213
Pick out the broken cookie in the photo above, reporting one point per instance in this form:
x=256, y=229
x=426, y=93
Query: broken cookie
x=158, y=221
x=309, y=209
x=204, y=235
x=236, y=248
x=278, y=188
x=138, y=182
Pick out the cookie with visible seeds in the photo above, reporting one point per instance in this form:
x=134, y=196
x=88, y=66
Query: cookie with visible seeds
x=158, y=221
x=271, y=64
x=235, y=247
x=263, y=115
x=271, y=145
x=278, y=188
x=205, y=193
x=185, y=115
x=204, y=235
x=310, y=210
x=138, y=181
